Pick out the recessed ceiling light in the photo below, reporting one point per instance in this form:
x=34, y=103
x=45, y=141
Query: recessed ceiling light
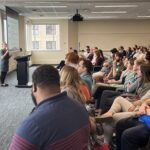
x=51, y=12
x=116, y=6
x=109, y=12
x=45, y=6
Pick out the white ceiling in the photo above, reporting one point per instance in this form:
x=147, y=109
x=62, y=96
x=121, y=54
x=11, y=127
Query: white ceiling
x=108, y=9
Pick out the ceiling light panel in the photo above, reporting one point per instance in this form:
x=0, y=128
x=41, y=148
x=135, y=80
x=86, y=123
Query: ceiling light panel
x=109, y=12
x=113, y=6
x=143, y=16
x=45, y=6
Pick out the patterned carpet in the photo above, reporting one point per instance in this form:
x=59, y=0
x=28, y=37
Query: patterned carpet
x=15, y=105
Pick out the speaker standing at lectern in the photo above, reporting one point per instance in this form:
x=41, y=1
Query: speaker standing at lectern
x=4, y=63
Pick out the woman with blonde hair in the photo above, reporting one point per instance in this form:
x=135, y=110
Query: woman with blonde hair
x=71, y=82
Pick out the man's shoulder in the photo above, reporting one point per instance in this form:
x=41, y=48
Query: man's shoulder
x=27, y=128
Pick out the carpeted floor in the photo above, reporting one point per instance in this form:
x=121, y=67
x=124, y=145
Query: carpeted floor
x=15, y=105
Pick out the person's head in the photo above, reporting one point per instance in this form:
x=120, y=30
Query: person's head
x=121, y=48
x=130, y=64
x=87, y=49
x=84, y=66
x=71, y=58
x=75, y=51
x=129, y=49
x=69, y=77
x=118, y=56
x=113, y=52
x=46, y=82
x=97, y=54
x=96, y=48
x=145, y=71
x=137, y=65
x=4, y=45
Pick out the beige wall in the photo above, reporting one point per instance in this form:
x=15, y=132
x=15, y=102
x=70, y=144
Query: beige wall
x=107, y=34
x=73, y=34
x=22, y=33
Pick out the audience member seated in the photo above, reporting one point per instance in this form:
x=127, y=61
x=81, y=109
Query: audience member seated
x=76, y=89
x=56, y=118
x=121, y=108
x=130, y=86
x=115, y=73
x=71, y=82
x=87, y=52
x=101, y=54
x=126, y=75
x=129, y=53
x=138, y=53
x=72, y=59
x=97, y=58
x=143, y=87
x=106, y=67
x=134, y=133
x=122, y=51
x=127, y=106
x=84, y=69
x=90, y=56
x=117, y=67
x=98, y=76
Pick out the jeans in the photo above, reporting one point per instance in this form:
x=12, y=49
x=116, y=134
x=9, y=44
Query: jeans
x=131, y=134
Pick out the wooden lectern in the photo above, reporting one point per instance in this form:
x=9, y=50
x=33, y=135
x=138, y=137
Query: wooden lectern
x=23, y=71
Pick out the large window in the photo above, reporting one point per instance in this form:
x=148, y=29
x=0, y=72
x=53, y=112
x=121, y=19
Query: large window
x=50, y=29
x=35, y=44
x=51, y=45
x=35, y=29
x=43, y=37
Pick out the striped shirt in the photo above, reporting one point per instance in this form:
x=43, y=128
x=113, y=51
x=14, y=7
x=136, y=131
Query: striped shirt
x=57, y=123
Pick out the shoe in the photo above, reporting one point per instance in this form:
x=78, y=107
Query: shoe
x=103, y=118
x=4, y=85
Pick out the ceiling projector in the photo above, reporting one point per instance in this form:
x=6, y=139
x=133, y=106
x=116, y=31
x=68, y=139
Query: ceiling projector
x=77, y=17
